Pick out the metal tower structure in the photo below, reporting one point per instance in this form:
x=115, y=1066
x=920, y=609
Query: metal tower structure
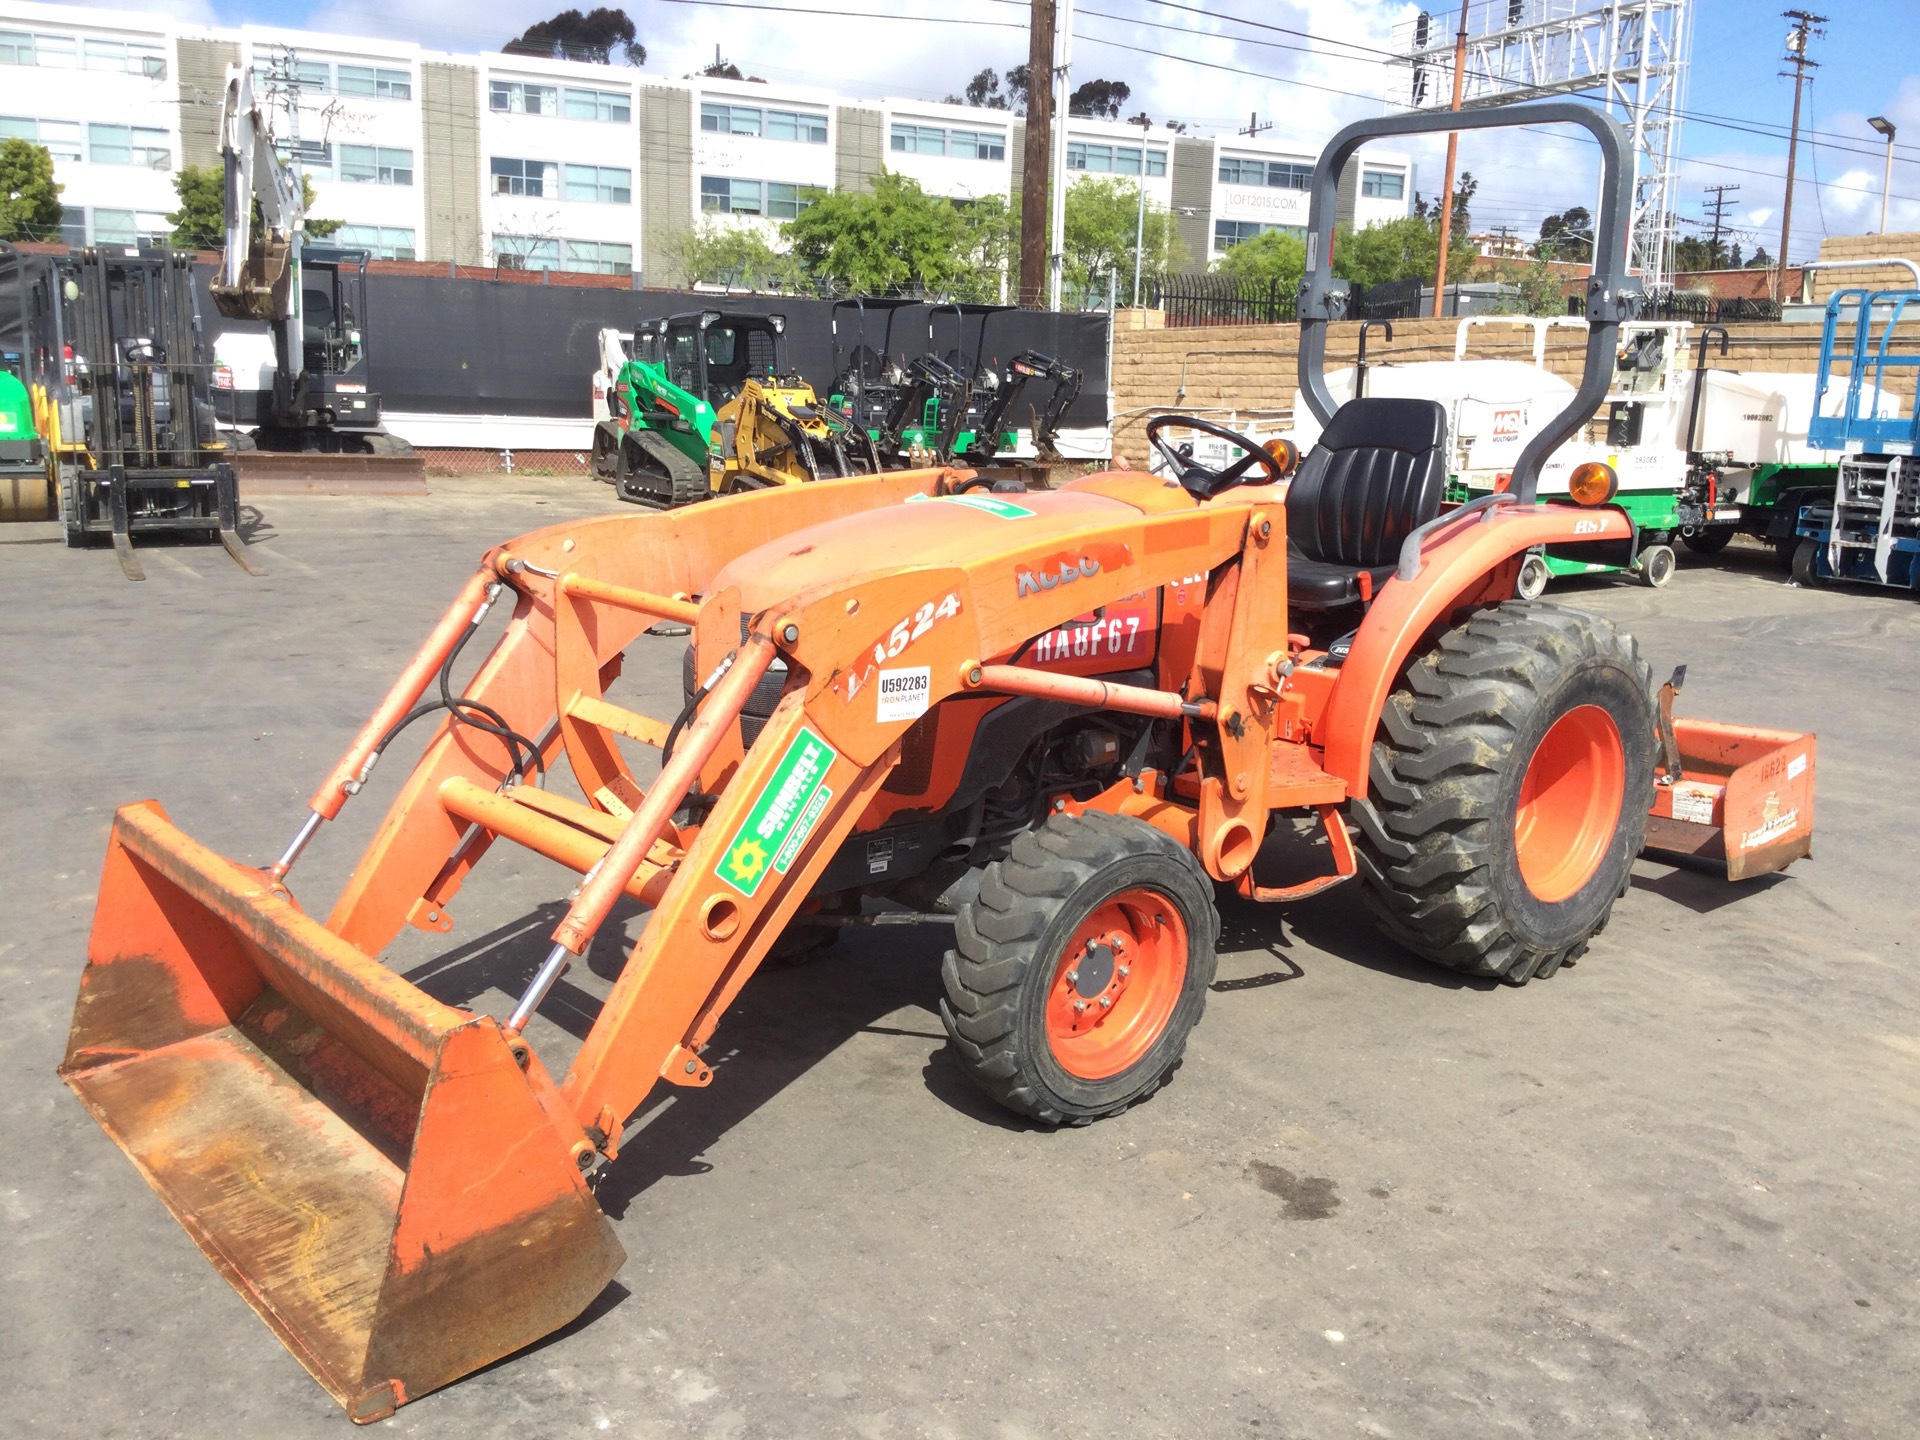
x=1629, y=55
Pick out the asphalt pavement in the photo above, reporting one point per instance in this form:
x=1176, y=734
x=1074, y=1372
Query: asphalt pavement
x=1669, y=1192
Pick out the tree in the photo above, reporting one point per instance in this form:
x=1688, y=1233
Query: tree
x=1404, y=249
x=1566, y=236
x=988, y=91
x=896, y=239
x=1463, y=193
x=1101, y=219
x=30, y=206
x=593, y=37
x=1099, y=99
x=988, y=248
x=1760, y=261
x=737, y=256
x=1273, y=259
x=1537, y=289
x=201, y=221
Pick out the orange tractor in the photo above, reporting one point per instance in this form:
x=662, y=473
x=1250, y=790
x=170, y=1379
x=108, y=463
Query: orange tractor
x=1059, y=720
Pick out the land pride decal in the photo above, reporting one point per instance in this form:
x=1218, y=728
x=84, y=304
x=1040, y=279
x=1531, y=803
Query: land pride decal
x=783, y=817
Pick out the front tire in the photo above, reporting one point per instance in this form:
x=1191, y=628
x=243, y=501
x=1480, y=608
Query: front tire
x=1806, y=563
x=1509, y=791
x=1081, y=967
x=1656, y=565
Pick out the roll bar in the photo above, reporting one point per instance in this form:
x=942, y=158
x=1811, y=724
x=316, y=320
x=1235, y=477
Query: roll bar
x=1612, y=294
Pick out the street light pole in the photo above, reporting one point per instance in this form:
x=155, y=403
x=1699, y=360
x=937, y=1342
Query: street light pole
x=1140, y=224
x=1885, y=127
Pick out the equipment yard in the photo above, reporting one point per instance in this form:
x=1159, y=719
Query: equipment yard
x=1668, y=1191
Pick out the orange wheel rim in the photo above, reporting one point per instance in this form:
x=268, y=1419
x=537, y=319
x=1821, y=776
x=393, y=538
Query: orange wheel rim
x=1570, y=803
x=1116, y=984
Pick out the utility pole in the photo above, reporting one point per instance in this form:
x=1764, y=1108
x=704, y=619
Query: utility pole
x=1039, y=150
x=1140, y=222
x=1806, y=26
x=1062, y=109
x=1453, y=156
x=1719, y=203
x=1254, y=127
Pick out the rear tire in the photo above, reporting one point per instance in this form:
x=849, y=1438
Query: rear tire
x=1806, y=563
x=1473, y=856
x=1656, y=565
x=1707, y=542
x=1081, y=967
x=71, y=529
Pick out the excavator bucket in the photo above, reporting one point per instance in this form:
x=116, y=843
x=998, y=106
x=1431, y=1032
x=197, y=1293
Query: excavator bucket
x=379, y=1175
x=1738, y=796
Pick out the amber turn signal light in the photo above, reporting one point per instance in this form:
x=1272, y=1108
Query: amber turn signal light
x=1285, y=453
x=1593, y=483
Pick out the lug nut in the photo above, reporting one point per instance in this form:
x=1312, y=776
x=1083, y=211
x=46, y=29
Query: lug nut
x=1118, y=942
x=1124, y=971
x=1078, y=1006
x=1074, y=976
x=1106, y=1003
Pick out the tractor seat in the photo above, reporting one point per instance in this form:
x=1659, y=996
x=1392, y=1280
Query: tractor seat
x=1378, y=473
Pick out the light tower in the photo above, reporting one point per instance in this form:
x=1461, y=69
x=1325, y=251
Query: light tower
x=1629, y=55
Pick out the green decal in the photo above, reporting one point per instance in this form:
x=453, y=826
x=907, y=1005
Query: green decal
x=1002, y=508
x=783, y=817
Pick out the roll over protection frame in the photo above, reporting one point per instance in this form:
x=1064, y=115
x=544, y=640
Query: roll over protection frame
x=1612, y=294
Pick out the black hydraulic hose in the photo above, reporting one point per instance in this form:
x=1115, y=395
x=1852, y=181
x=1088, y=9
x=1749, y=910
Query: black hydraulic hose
x=492, y=722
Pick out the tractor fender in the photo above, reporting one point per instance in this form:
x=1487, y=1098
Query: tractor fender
x=1459, y=568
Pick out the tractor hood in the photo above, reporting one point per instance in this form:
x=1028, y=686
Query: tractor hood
x=930, y=531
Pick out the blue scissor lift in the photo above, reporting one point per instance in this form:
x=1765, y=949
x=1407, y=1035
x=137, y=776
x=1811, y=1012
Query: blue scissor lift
x=1870, y=530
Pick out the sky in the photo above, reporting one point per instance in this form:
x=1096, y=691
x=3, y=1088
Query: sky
x=1305, y=66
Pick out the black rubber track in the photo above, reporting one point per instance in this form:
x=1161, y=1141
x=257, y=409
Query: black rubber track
x=1436, y=842
x=1010, y=937
x=653, y=472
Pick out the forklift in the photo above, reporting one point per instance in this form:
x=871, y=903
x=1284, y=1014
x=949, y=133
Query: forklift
x=116, y=363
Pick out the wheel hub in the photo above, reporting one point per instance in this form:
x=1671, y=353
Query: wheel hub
x=1095, y=971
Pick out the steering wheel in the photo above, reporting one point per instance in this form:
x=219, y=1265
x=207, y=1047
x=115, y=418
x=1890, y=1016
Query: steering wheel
x=1202, y=483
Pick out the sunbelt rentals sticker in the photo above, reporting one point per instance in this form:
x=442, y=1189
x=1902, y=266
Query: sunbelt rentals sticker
x=783, y=817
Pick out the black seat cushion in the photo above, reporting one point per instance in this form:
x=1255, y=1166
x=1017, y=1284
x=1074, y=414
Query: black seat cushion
x=1379, y=472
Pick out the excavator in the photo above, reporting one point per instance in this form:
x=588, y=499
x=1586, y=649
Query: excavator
x=312, y=297
x=1055, y=721
x=709, y=406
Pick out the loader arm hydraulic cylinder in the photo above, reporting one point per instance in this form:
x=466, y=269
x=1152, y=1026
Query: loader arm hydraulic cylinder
x=607, y=880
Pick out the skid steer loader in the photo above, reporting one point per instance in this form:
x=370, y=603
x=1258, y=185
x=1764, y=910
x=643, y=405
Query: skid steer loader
x=1061, y=717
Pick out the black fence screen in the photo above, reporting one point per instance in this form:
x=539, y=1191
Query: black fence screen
x=485, y=347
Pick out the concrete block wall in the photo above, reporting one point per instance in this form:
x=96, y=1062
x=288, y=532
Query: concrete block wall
x=1866, y=247
x=1252, y=367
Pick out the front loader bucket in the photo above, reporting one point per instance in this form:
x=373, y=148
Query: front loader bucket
x=372, y=1170
x=1744, y=798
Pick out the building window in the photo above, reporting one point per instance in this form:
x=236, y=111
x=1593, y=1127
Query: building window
x=798, y=125
x=961, y=144
x=600, y=257
x=1275, y=174
x=129, y=145
x=1113, y=159
x=724, y=195
x=511, y=97
x=599, y=184
x=526, y=252
x=597, y=105
x=538, y=178
x=376, y=165
x=729, y=119
x=126, y=57
x=786, y=201
x=313, y=156
x=130, y=227
x=73, y=227
x=380, y=84
x=807, y=127
x=60, y=137
x=19, y=48
x=384, y=242
x=1229, y=233
x=919, y=140
x=729, y=197
x=1383, y=184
